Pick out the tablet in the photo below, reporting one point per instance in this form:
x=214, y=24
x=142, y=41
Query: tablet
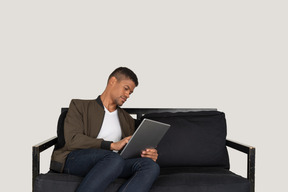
x=148, y=135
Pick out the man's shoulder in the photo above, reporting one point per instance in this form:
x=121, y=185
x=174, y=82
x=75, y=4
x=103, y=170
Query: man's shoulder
x=83, y=102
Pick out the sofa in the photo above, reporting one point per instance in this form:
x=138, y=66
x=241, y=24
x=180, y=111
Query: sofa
x=193, y=155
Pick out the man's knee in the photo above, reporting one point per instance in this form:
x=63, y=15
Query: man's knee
x=112, y=161
x=155, y=167
x=116, y=158
x=152, y=166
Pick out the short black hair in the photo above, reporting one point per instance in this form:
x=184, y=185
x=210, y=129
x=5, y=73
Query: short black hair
x=127, y=73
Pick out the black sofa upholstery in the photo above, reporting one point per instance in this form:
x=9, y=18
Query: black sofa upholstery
x=192, y=155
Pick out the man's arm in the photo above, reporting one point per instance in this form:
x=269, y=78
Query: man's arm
x=74, y=131
x=117, y=146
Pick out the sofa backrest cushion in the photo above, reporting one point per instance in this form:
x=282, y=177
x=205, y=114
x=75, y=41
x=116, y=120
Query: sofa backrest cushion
x=194, y=139
x=60, y=130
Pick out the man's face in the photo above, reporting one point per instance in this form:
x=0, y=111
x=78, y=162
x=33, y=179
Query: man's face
x=121, y=91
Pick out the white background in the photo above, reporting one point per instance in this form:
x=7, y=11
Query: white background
x=229, y=55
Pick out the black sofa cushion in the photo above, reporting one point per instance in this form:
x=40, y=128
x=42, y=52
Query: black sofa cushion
x=194, y=139
x=172, y=179
x=56, y=182
x=199, y=179
x=60, y=130
x=194, y=179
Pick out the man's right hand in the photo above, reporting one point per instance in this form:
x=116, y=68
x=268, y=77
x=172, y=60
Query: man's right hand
x=117, y=146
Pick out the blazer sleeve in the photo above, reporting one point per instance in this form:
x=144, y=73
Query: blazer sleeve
x=74, y=131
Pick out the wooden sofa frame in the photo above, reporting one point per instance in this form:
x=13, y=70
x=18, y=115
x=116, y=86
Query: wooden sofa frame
x=139, y=112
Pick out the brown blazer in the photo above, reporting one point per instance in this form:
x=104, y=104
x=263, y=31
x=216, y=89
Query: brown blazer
x=81, y=127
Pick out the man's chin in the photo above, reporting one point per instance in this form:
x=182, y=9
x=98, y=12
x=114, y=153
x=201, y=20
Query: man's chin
x=120, y=103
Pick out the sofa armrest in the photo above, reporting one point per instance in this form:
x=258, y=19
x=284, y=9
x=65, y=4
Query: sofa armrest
x=36, y=150
x=250, y=151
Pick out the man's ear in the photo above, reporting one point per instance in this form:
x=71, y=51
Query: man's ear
x=112, y=80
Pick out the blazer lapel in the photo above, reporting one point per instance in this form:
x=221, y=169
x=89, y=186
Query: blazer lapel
x=123, y=123
x=97, y=112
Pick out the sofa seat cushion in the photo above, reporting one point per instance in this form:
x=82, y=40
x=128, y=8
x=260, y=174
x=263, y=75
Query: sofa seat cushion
x=194, y=179
x=172, y=179
x=197, y=180
x=56, y=182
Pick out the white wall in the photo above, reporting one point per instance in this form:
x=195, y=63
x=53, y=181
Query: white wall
x=223, y=54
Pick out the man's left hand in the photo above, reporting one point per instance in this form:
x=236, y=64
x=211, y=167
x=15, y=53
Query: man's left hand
x=150, y=153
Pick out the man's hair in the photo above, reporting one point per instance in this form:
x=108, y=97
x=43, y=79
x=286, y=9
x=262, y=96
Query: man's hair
x=123, y=72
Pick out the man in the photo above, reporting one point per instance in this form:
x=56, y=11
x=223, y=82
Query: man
x=94, y=130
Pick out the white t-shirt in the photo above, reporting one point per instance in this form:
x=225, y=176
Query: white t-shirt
x=111, y=129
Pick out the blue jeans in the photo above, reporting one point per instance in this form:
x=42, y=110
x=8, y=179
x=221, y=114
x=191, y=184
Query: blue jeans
x=101, y=167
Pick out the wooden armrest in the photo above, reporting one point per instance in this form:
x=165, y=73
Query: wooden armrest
x=239, y=146
x=36, y=150
x=46, y=144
